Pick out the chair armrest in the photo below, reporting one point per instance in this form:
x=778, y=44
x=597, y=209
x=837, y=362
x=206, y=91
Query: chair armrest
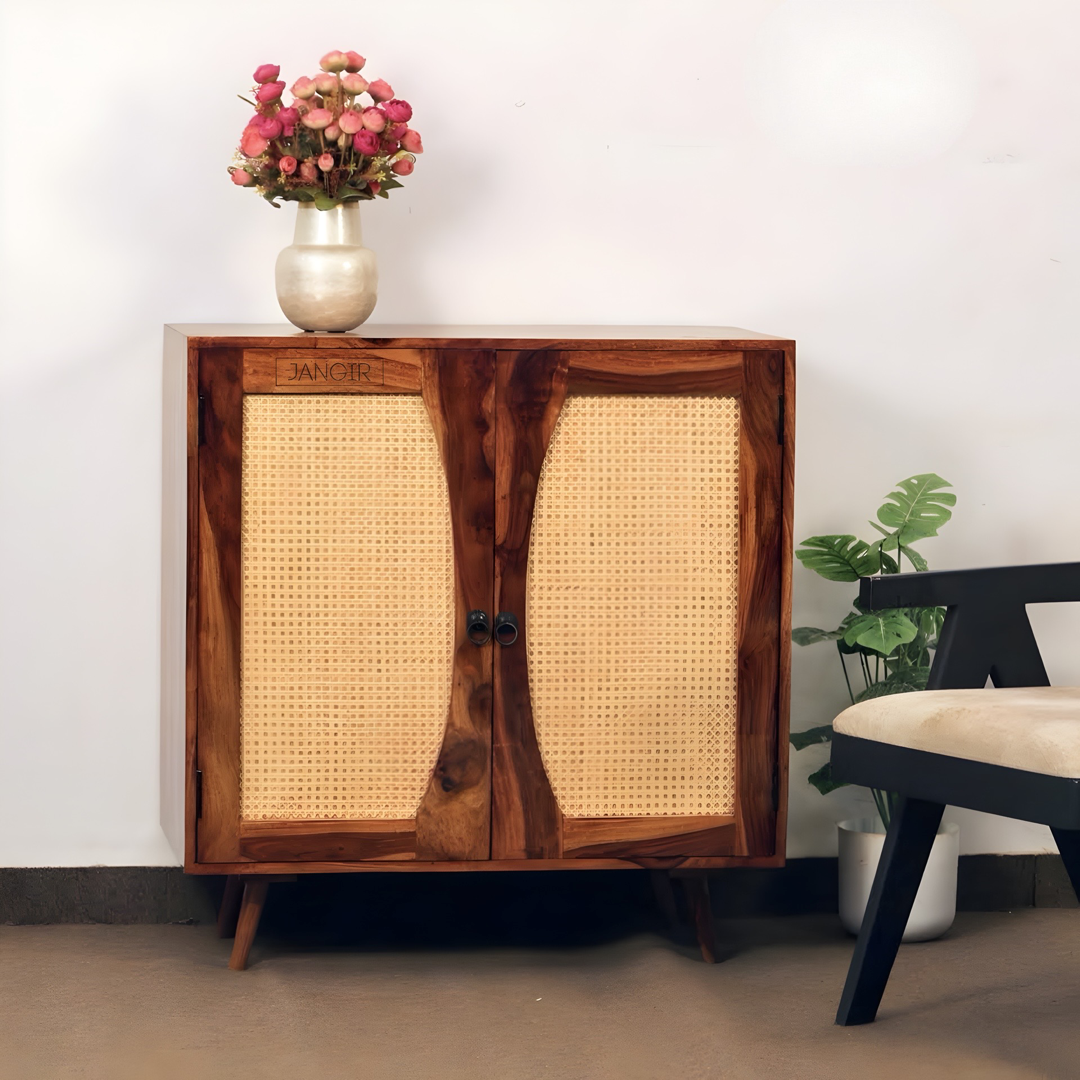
x=1007, y=586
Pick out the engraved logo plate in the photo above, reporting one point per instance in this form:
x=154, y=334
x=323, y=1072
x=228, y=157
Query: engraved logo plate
x=366, y=371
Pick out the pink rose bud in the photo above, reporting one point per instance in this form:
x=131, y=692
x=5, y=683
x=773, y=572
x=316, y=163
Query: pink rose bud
x=287, y=164
x=333, y=133
x=304, y=87
x=373, y=119
x=326, y=162
x=354, y=84
x=288, y=118
x=380, y=90
x=350, y=121
x=403, y=167
x=270, y=91
x=375, y=186
x=308, y=171
x=388, y=146
x=355, y=61
x=269, y=127
x=252, y=143
x=366, y=142
x=326, y=83
x=395, y=131
x=317, y=119
x=265, y=73
x=410, y=140
x=334, y=61
x=241, y=178
x=397, y=110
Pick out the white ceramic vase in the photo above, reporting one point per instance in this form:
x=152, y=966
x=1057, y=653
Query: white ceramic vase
x=327, y=279
x=861, y=844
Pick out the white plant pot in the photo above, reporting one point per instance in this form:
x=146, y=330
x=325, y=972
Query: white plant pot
x=327, y=279
x=861, y=843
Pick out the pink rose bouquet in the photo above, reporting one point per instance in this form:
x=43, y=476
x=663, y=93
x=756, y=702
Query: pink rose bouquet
x=330, y=145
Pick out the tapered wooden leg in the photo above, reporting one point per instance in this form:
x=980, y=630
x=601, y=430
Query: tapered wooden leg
x=230, y=906
x=251, y=908
x=700, y=905
x=665, y=896
x=1068, y=842
x=903, y=860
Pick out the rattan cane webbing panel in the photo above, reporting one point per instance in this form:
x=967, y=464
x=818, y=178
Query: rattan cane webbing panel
x=348, y=606
x=631, y=632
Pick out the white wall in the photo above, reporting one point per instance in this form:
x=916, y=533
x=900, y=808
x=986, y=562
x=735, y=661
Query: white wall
x=892, y=184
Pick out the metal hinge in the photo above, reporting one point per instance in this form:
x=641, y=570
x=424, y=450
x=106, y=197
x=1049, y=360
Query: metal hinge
x=780, y=419
x=198, y=794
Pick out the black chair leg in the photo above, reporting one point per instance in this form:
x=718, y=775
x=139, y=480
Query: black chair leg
x=907, y=847
x=1068, y=842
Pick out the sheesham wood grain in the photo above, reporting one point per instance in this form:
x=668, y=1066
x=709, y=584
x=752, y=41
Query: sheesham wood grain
x=324, y=841
x=219, y=575
x=454, y=819
x=531, y=388
x=760, y=543
x=644, y=862
x=685, y=372
x=787, y=536
x=326, y=371
x=622, y=338
x=194, y=518
x=597, y=838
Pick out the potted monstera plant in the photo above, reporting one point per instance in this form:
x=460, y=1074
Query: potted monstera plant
x=884, y=652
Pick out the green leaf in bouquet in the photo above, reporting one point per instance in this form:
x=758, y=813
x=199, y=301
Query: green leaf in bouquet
x=823, y=779
x=881, y=631
x=811, y=737
x=325, y=202
x=389, y=183
x=919, y=508
x=811, y=635
x=901, y=681
x=839, y=558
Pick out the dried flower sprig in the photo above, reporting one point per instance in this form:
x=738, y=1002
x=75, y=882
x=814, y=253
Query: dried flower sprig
x=328, y=146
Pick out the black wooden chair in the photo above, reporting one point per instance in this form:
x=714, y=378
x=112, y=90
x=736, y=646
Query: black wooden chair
x=1008, y=751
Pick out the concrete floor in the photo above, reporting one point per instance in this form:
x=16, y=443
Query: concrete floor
x=999, y=997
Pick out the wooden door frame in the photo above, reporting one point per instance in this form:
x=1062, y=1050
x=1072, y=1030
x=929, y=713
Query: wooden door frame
x=531, y=388
x=457, y=385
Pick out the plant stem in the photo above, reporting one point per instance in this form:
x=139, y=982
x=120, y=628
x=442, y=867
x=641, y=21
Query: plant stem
x=843, y=667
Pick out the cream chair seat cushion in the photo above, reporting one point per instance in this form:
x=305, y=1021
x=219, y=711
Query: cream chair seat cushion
x=1035, y=728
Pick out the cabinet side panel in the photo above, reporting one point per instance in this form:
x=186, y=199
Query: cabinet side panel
x=760, y=650
x=219, y=577
x=174, y=501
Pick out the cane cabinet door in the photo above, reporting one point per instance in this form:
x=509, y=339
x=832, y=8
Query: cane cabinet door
x=638, y=546
x=345, y=505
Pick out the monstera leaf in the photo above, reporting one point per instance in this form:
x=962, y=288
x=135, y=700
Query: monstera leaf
x=840, y=558
x=823, y=779
x=891, y=543
x=811, y=737
x=881, y=631
x=811, y=635
x=918, y=509
x=902, y=681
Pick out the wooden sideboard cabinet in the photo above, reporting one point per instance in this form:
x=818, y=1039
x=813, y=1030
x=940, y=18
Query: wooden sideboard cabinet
x=474, y=598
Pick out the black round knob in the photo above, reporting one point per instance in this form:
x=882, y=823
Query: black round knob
x=506, y=628
x=477, y=627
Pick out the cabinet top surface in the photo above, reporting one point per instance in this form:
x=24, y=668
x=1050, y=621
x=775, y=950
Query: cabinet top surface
x=281, y=335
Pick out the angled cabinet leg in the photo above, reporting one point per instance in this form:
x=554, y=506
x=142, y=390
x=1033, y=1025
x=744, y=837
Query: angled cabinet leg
x=907, y=847
x=251, y=908
x=230, y=906
x=665, y=896
x=1068, y=842
x=700, y=905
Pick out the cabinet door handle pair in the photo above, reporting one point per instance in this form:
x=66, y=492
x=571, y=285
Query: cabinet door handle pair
x=480, y=632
